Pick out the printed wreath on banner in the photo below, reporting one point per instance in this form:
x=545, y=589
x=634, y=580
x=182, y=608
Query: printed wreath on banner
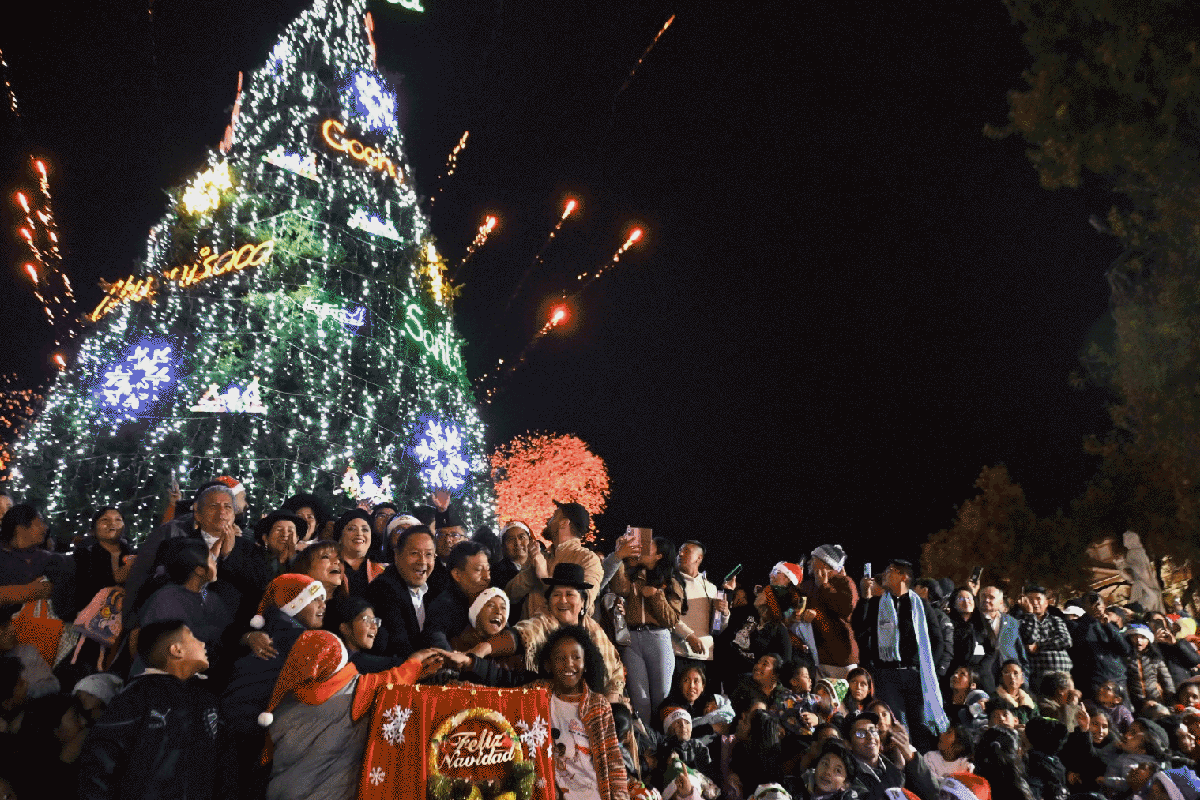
x=505, y=749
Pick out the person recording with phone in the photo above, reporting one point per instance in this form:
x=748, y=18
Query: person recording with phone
x=691, y=638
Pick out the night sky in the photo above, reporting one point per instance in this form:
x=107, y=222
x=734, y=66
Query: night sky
x=849, y=300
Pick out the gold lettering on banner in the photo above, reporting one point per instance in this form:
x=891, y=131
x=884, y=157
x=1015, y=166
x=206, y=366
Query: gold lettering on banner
x=334, y=134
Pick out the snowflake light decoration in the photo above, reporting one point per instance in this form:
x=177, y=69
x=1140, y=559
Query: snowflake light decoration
x=373, y=225
x=366, y=98
x=440, y=454
x=134, y=382
x=533, y=736
x=394, y=720
x=369, y=487
x=377, y=776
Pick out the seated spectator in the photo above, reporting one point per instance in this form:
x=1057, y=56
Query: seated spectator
x=1060, y=699
x=1146, y=675
x=315, y=717
x=963, y=699
x=678, y=743
x=1012, y=689
x=901, y=767
x=829, y=692
x=1110, y=698
x=277, y=535
x=353, y=533
x=1044, y=770
x=1187, y=694
x=1143, y=745
x=162, y=735
x=834, y=776
x=181, y=594
x=39, y=680
x=860, y=690
x=711, y=713
x=753, y=630
x=755, y=757
x=953, y=753
x=998, y=761
x=761, y=685
x=449, y=613
x=320, y=561
x=1002, y=714
x=95, y=692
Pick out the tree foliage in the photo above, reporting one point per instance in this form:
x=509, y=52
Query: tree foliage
x=531, y=471
x=1112, y=97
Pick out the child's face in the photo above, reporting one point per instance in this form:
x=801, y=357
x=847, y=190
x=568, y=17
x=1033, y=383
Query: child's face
x=1140, y=642
x=962, y=679
x=681, y=729
x=1099, y=728
x=1107, y=696
x=1190, y=696
x=860, y=687
x=802, y=681
x=1012, y=677
x=1003, y=718
x=825, y=700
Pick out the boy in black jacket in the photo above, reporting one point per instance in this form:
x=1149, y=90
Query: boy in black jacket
x=161, y=737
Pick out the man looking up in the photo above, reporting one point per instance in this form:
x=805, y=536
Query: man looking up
x=568, y=525
x=897, y=637
x=1004, y=633
x=161, y=736
x=399, y=595
x=901, y=768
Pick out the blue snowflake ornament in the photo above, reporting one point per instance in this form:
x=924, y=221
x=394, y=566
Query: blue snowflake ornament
x=440, y=453
x=130, y=385
x=365, y=97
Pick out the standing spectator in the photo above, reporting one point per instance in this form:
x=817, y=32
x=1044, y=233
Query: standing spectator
x=1003, y=637
x=1145, y=673
x=830, y=608
x=1045, y=636
x=1180, y=655
x=449, y=613
x=353, y=533
x=692, y=637
x=1098, y=649
x=569, y=523
x=897, y=637
x=931, y=593
x=514, y=542
x=653, y=604
x=754, y=630
x=310, y=509
x=399, y=595
x=161, y=737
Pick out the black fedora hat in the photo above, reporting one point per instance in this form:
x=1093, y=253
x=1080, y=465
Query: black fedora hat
x=567, y=575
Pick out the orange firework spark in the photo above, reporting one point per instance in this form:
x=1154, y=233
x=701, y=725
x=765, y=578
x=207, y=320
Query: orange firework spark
x=451, y=165
x=17, y=408
x=587, y=278
x=568, y=209
x=52, y=287
x=489, y=225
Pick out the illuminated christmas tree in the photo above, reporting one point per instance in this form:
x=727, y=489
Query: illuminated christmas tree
x=290, y=324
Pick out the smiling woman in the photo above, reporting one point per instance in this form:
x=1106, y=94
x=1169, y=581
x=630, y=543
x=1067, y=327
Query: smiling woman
x=353, y=532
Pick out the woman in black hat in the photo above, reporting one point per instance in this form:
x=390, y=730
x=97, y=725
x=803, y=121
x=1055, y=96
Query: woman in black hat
x=353, y=535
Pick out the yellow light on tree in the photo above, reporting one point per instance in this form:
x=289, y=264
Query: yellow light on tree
x=204, y=193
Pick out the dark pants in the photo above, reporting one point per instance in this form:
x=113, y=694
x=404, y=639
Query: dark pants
x=901, y=690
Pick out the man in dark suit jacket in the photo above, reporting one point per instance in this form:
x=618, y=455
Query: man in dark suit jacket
x=399, y=595
x=449, y=613
x=898, y=675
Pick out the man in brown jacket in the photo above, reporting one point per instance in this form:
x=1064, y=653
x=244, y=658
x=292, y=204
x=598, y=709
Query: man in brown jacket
x=829, y=610
x=568, y=525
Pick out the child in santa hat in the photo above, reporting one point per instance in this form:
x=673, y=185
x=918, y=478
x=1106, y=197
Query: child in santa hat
x=317, y=733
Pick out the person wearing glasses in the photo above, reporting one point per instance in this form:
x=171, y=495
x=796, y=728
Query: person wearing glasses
x=901, y=767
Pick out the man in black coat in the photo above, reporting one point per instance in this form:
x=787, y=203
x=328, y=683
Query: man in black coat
x=399, y=595
x=162, y=736
x=449, y=613
x=1097, y=647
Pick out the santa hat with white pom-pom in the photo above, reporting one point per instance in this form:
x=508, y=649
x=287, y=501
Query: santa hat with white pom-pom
x=289, y=593
x=317, y=668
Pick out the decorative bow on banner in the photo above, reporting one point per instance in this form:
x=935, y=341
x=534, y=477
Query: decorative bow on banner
x=469, y=742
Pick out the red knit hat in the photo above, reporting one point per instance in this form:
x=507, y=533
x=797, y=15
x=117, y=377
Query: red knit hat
x=793, y=572
x=290, y=593
x=317, y=668
x=234, y=484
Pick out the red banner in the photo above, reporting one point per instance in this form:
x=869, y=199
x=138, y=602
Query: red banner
x=462, y=742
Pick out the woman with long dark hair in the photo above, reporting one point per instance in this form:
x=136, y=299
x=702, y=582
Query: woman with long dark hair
x=653, y=596
x=103, y=558
x=998, y=760
x=754, y=630
x=353, y=534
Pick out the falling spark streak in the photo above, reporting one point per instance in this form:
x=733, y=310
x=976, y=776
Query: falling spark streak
x=653, y=42
x=489, y=225
x=559, y=314
x=587, y=278
x=40, y=235
x=451, y=165
x=12, y=95
x=17, y=407
x=568, y=210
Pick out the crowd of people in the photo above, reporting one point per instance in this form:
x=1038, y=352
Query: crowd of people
x=234, y=658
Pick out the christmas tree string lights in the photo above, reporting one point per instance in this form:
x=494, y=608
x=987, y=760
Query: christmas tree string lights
x=299, y=342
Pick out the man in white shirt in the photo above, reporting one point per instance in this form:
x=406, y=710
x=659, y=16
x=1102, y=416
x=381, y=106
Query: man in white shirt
x=691, y=639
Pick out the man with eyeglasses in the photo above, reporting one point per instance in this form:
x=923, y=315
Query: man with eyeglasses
x=897, y=640
x=900, y=768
